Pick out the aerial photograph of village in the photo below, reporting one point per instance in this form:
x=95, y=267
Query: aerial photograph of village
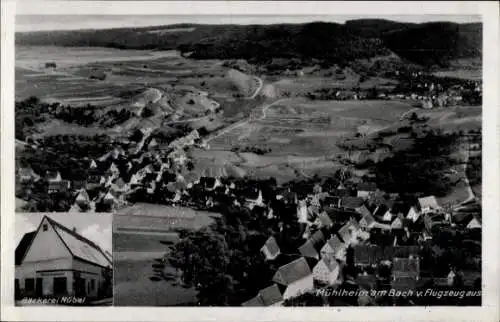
x=260, y=160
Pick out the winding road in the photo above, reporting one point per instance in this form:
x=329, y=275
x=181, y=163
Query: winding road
x=259, y=88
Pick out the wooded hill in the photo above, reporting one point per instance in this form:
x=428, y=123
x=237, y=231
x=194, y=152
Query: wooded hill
x=427, y=44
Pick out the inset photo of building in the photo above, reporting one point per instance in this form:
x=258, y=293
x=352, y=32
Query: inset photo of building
x=63, y=259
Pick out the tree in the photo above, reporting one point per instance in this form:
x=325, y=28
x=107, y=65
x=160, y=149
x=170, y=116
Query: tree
x=136, y=136
x=147, y=112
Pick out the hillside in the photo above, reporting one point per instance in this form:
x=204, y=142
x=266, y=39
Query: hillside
x=436, y=43
x=426, y=43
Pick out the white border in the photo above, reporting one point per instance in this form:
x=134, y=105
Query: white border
x=491, y=173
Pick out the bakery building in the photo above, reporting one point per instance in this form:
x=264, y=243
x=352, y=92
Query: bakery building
x=55, y=261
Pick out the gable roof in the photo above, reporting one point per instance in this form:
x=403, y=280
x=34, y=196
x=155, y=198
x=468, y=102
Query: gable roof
x=79, y=246
x=351, y=202
x=23, y=246
x=266, y=297
x=254, y=301
x=334, y=243
x=270, y=295
x=475, y=222
x=348, y=229
x=53, y=176
x=292, y=272
x=367, y=220
x=429, y=201
x=324, y=219
x=272, y=245
x=82, y=195
x=312, y=246
x=330, y=263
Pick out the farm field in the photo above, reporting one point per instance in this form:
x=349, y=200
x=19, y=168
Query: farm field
x=104, y=76
x=456, y=119
x=141, y=234
x=303, y=135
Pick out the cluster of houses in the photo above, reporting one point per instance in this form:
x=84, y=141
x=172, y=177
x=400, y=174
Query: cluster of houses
x=363, y=231
x=112, y=177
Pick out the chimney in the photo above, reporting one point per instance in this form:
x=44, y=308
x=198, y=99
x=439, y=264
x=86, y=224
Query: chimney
x=74, y=229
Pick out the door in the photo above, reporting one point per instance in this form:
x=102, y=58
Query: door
x=60, y=286
x=80, y=284
x=39, y=287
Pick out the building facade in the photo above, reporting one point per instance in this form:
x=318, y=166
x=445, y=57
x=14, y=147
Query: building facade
x=55, y=261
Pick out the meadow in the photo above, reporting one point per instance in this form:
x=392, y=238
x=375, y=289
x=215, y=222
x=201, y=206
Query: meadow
x=141, y=235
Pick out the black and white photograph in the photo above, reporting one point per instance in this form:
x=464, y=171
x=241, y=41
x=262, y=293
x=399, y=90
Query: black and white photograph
x=252, y=161
x=63, y=259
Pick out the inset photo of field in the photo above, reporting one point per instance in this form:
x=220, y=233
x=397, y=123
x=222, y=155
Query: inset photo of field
x=63, y=259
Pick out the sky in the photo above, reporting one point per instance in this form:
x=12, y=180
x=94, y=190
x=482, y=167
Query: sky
x=95, y=227
x=33, y=22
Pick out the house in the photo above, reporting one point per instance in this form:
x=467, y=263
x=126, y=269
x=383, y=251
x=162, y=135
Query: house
x=269, y=296
x=475, y=223
x=58, y=186
x=82, y=199
x=349, y=231
x=405, y=267
x=398, y=222
x=209, y=183
x=119, y=186
x=93, y=164
x=113, y=170
x=302, y=216
x=253, y=198
x=334, y=248
x=428, y=204
x=153, y=144
x=271, y=249
x=53, y=176
x=55, y=261
x=327, y=271
x=177, y=157
x=313, y=245
x=353, y=203
x=27, y=174
x=365, y=189
x=296, y=276
x=109, y=198
x=367, y=222
x=412, y=214
x=324, y=220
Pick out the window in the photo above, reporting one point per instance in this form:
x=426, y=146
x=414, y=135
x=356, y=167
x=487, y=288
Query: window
x=29, y=284
x=60, y=285
x=92, y=285
x=45, y=227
